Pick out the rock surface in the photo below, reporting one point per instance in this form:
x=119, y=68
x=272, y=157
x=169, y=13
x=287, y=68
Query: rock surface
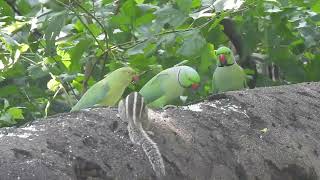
x=260, y=134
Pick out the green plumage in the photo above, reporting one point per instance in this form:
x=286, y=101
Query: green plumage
x=169, y=85
x=228, y=76
x=107, y=91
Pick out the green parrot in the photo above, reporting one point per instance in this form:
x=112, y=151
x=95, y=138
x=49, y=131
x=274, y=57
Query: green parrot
x=169, y=85
x=228, y=75
x=107, y=91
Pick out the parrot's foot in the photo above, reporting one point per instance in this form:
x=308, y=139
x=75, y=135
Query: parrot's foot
x=169, y=106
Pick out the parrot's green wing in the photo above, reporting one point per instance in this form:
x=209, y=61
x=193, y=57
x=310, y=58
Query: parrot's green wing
x=93, y=96
x=155, y=89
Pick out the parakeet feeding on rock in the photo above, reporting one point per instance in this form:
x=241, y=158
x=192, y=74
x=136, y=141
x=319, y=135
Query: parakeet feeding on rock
x=107, y=91
x=169, y=85
x=228, y=76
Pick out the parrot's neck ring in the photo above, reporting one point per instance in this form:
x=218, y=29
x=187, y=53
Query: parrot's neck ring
x=226, y=65
x=179, y=80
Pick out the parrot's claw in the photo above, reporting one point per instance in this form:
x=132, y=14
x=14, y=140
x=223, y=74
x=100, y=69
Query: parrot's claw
x=169, y=106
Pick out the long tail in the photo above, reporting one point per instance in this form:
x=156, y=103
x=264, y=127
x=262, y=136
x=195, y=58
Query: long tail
x=139, y=136
x=152, y=151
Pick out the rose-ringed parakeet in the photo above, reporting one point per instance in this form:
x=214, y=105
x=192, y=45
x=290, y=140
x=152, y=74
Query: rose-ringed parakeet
x=107, y=91
x=169, y=85
x=228, y=75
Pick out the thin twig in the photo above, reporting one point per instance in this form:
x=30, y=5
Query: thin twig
x=78, y=16
x=29, y=60
x=83, y=23
x=13, y=7
x=93, y=8
x=60, y=68
x=160, y=34
x=49, y=102
x=172, y=31
x=106, y=38
x=44, y=14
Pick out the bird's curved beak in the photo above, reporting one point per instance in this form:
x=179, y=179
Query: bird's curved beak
x=222, y=59
x=194, y=86
x=135, y=78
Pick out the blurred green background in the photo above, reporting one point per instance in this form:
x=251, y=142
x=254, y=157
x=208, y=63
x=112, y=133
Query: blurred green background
x=52, y=51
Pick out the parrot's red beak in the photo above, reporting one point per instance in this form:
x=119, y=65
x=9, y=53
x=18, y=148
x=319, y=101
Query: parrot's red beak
x=194, y=86
x=135, y=78
x=222, y=59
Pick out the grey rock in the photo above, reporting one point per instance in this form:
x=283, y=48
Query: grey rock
x=260, y=134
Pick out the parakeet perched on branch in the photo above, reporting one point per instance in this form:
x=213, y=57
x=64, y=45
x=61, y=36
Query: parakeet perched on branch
x=228, y=76
x=107, y=91
x=169, y=85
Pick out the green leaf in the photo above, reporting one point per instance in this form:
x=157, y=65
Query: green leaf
x=139, y=1
x=316, y=8
x=141, y=62
x=15, y=113
x=37, y=71
x=6, y=119
x=107, y=1
x=218, y=19
x=184, y=5
x=9, y=42
x=6, y=11
x=23, y=6
x=14, y=27
x=138, y=49
x=129, y=8
x=1, y=77
x=196, y=3
x=79, y=26
x=312, y=68
x=147, y=18
x=192, y=44
x=76, y=54
x=55, y=25
x=23, y=47
x=9, y=90
x=5, y=103
x=95, y=29
x=53, y=85
x=207, y=59
x=165, y=15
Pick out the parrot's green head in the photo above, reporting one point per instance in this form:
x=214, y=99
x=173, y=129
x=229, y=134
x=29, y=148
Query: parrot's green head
x=125, y=75
x=225, y=56
x=188, y=77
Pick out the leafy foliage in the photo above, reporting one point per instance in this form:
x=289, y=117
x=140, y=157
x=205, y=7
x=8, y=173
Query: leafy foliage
x=52, y=51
